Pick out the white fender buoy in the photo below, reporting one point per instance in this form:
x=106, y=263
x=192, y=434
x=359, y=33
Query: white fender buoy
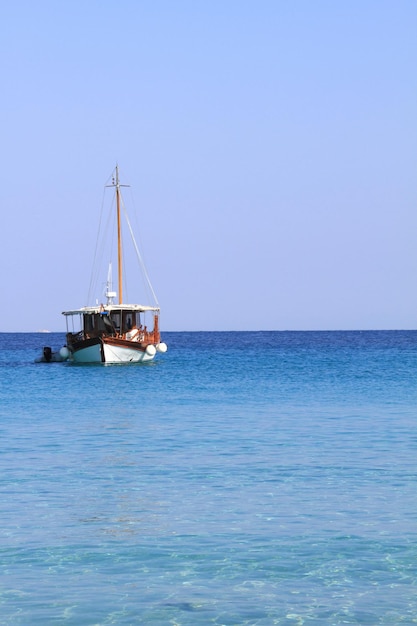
x=64, y=352
x=161, y=347
x=150, y=350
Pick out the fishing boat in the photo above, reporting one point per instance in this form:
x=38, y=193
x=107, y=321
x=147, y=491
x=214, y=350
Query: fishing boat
x=115, y=332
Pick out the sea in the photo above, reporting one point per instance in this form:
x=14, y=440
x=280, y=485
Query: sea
x=242, y=478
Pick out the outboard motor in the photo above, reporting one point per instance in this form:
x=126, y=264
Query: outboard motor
x=47, y=354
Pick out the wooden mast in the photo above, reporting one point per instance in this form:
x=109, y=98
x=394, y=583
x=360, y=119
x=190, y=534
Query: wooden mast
x=119, y=238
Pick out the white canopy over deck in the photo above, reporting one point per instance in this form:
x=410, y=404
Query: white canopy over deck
x=111, y=308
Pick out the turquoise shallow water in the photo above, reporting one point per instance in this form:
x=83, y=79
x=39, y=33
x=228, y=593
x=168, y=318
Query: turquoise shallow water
x=242, y=478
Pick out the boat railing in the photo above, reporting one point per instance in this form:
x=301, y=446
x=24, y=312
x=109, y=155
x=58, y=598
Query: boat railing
x=74, y=337
x=141, y=335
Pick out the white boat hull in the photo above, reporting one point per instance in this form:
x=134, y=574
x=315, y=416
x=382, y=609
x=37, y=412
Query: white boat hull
x=104, y=352
x=116, y=354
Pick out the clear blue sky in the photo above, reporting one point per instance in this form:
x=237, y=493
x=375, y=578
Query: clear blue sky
x=271, y=149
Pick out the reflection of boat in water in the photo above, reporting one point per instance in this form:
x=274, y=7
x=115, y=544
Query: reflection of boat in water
x=115, y=333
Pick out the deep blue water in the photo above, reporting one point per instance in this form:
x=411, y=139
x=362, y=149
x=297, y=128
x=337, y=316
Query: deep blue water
x=242, y=478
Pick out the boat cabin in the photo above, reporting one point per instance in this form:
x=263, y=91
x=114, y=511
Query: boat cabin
x=114, y=323
x=123, y=321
